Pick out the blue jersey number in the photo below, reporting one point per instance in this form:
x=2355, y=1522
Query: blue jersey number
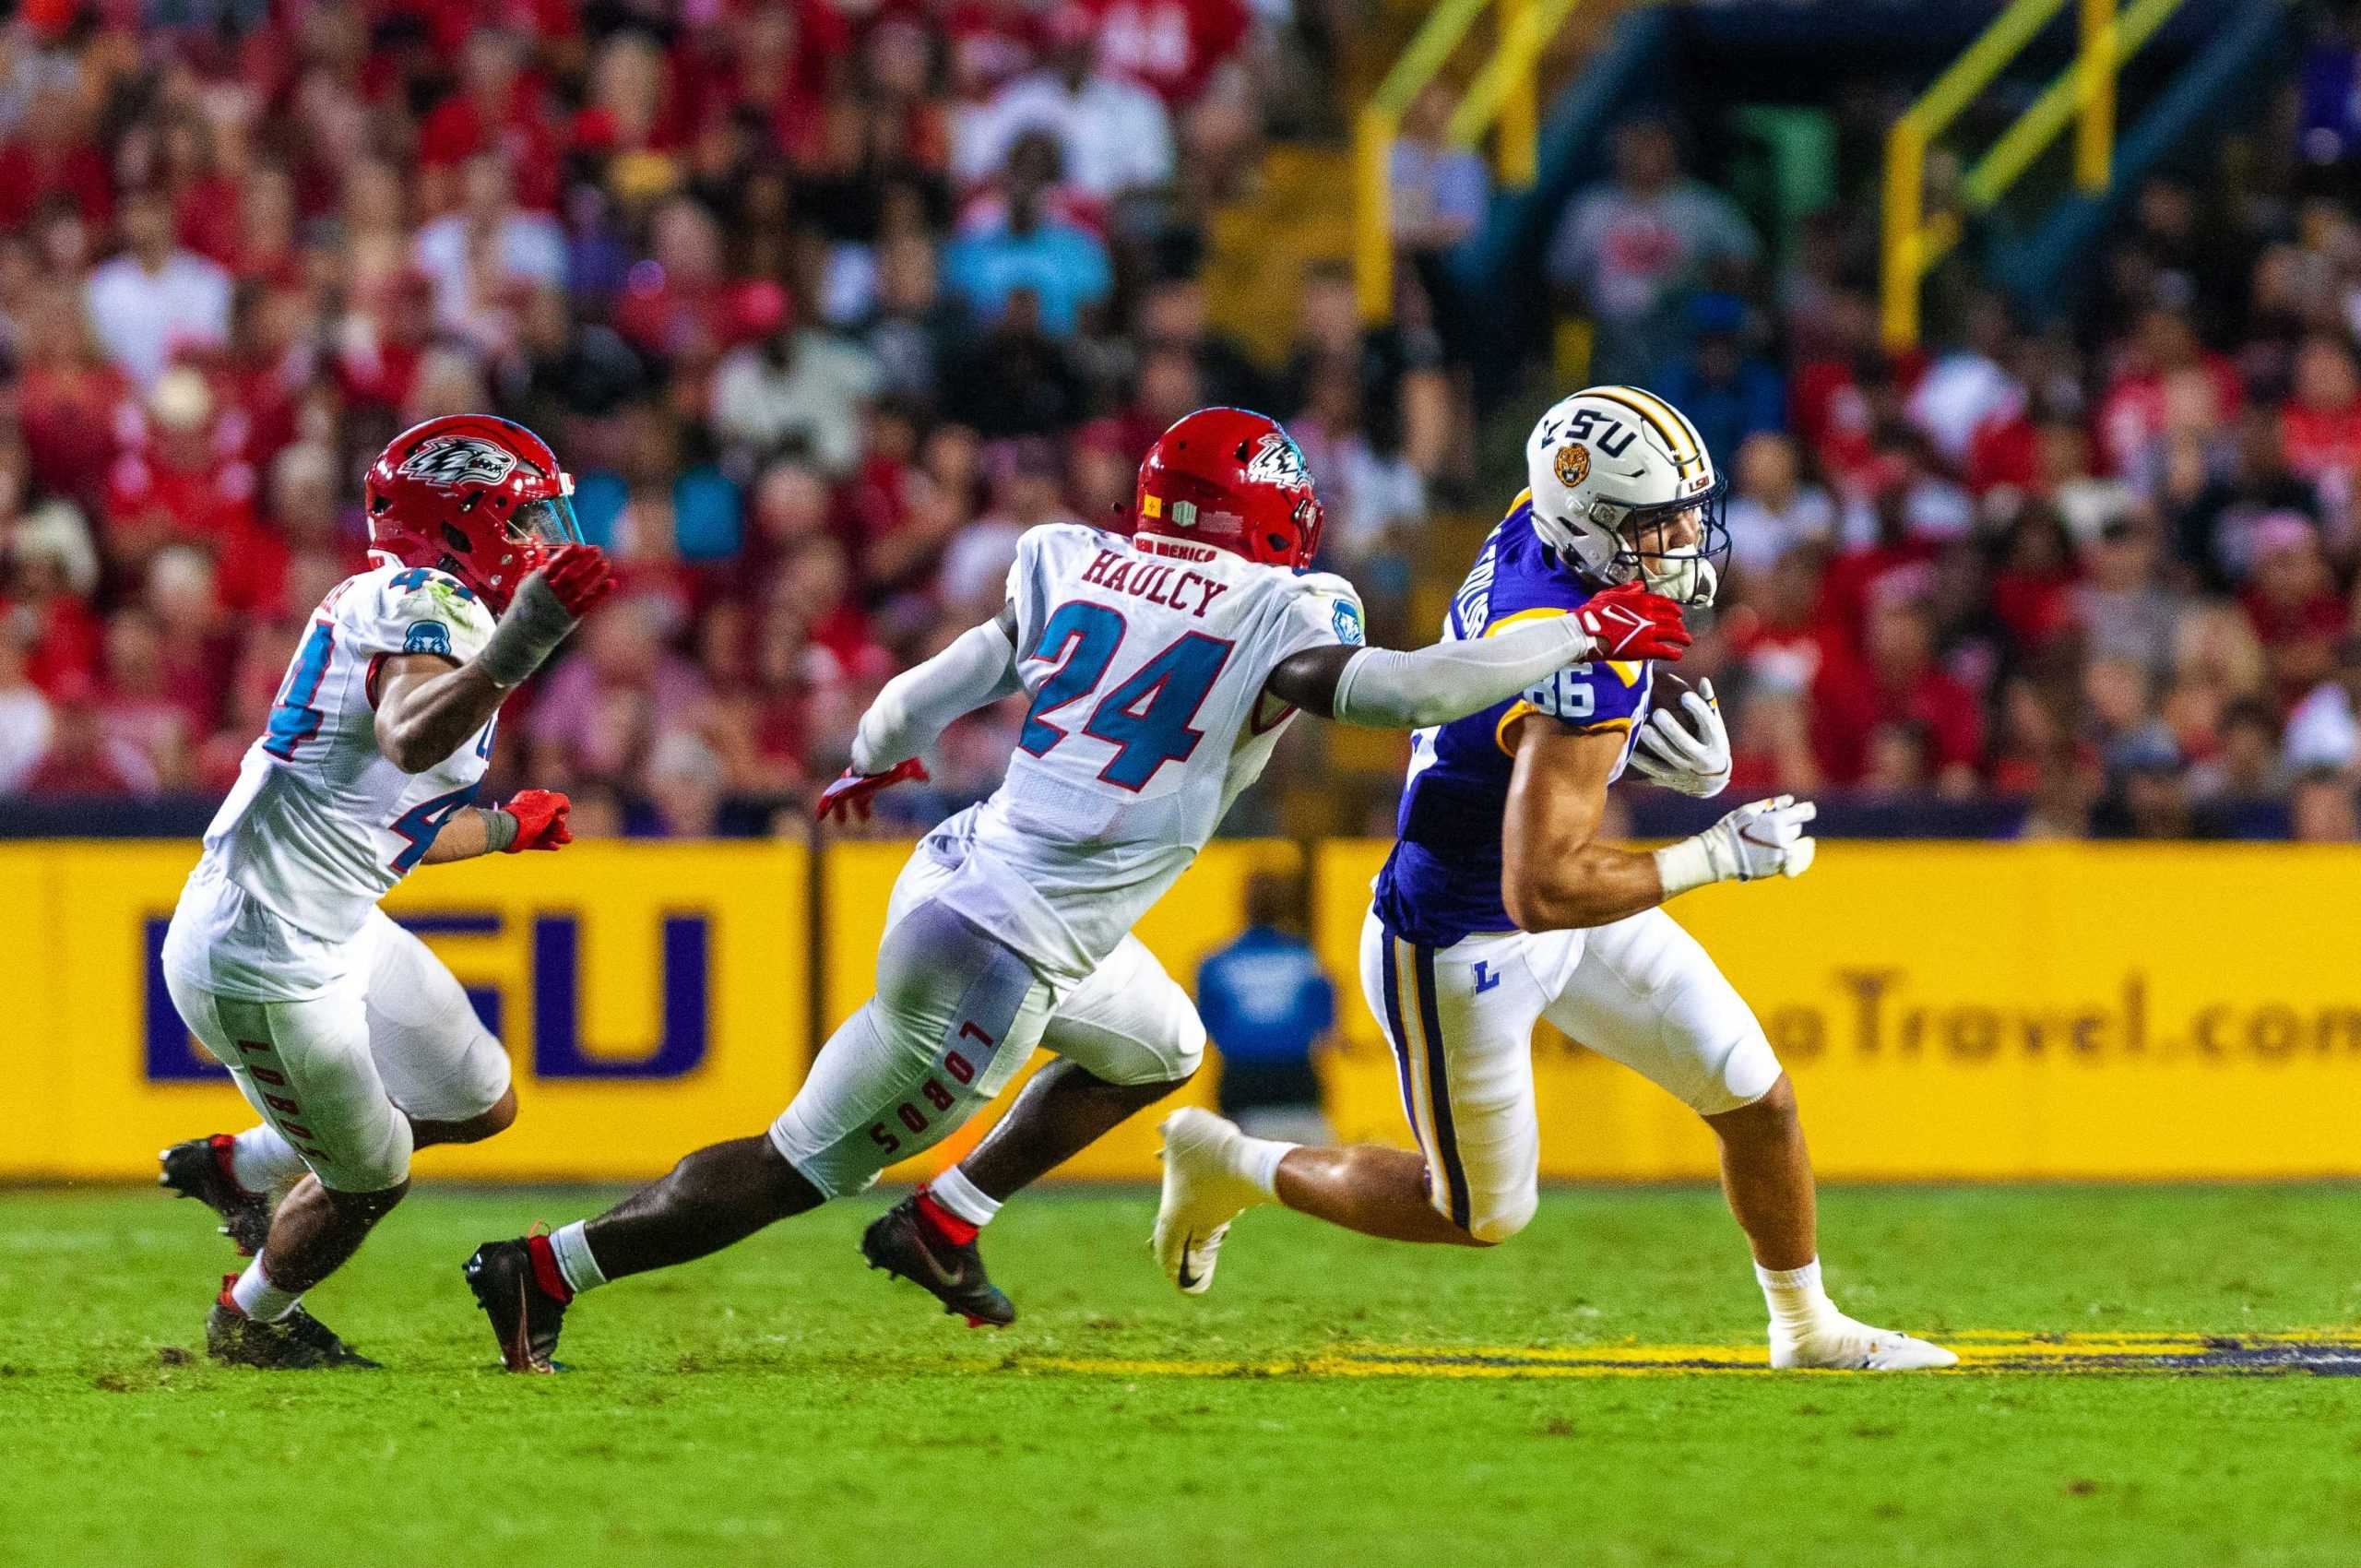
x=1146, y=718
x=1083, y=637
x=293, y=720
x=424, y=821
x=419, y=576
x=1147, y=715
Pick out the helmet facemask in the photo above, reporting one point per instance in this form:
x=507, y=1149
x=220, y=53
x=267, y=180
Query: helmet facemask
x=1677, y=548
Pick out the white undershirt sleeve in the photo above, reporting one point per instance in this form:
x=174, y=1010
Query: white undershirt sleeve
x=1389, y=690
x=918, y=704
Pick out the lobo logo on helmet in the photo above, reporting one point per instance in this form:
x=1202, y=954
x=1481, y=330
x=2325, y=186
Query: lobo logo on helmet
x=1277, y=460
x=1571, y=463
x=459, y=459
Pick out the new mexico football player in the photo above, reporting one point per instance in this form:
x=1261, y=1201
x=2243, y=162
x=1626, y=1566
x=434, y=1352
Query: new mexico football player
x=353, y=1041
x=1160, y=668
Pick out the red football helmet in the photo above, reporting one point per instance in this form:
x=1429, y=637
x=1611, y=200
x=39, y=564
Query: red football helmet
x=475, y=495
x=1233, y=479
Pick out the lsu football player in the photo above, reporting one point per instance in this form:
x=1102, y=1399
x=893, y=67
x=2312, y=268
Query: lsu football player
x=351, y=1039
x=1500, y=906
x=1160, y=668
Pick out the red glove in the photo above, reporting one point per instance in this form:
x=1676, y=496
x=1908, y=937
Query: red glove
x=540, y=820
x=848, y=796
x=1629, y=623
x=579, y=576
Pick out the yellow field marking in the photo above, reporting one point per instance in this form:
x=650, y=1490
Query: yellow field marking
x=2325, y=1351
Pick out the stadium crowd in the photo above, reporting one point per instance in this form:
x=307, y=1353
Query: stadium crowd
x=825, y=303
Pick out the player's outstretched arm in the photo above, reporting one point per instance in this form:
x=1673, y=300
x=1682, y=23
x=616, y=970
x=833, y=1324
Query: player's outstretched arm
x=1555, y=875
x=1388, y=690
x=428, y=708
x=532, y=819
x=916, y=706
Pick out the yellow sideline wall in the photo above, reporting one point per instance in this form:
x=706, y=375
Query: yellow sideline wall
x=1947, y=1010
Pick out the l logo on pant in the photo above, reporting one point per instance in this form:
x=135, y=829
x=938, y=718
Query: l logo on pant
x=1485, y=978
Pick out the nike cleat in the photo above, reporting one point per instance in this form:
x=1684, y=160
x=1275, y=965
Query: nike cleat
x=298, y=1342
x=1839, y=1344
x=199, y=1169
x=1202, y=1192
x=901, y=1242
x=519, y=1287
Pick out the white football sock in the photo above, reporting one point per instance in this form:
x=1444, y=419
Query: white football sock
x=963, y=1197
x=571, y=1248
x=1797, y=1300
x=1258, y=1161
x=262, y=1161
x=258, y=1297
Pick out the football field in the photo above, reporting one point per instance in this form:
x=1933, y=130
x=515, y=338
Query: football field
x=2153, y=1376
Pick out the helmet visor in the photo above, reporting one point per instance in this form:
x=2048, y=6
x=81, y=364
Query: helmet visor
x=549, y=521
x=1683, y=541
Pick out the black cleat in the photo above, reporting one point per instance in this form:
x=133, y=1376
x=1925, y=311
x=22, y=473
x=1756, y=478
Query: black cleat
x=199, y=1169
x=525, y=1318
x=298, y=1342
x=901, y=1243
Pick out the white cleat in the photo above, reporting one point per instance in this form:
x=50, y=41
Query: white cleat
x=1202, y=1192
x=1841, y=1344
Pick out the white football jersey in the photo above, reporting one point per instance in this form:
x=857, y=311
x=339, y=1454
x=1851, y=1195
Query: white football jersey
x=321, y=825
x=1146, y=666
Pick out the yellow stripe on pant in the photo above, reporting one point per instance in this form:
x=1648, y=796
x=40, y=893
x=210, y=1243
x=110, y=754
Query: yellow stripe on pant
x=1956, y=1011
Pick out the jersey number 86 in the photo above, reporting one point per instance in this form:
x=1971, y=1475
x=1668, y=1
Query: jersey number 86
x=1566, y=694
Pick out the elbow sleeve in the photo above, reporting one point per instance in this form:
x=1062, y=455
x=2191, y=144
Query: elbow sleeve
x=1387, y=689
x=916, y=705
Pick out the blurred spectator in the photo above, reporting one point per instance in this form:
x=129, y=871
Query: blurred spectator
x=1174, y=46
x=1438, y=193
x=1728, y=393
x=156, y=298
x=1269, y=1009
x=83, y=758
x=1111, y=136
x=1173, y=316
x=25, y=721
x=1772, y=510
x=1062, y=268
x=1398, y=369
x=2151, y=797
x=2322, y=810
x=483, y=254
x=2124, y=609
x=1625, y=251
x=794, y=384
x=498, y=109
x=1028, y=481
x=2292, y=603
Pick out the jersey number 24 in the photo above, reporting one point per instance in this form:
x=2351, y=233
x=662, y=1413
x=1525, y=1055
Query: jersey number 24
x=1146, y=718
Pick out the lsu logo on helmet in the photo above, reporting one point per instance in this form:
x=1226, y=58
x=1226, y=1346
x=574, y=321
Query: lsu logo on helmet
x=455, y=460
x=1572, y=463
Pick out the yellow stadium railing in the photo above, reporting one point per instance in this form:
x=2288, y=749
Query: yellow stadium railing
x=2084, y=92
x=1504, y=93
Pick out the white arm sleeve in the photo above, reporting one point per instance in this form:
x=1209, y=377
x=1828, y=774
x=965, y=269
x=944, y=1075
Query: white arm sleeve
x=1388, y=690
x=917, y=705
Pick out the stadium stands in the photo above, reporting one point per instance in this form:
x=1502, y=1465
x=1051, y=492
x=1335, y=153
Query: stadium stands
x=826, y=304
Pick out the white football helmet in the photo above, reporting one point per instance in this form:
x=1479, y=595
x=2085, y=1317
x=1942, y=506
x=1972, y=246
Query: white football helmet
x=1614, y=469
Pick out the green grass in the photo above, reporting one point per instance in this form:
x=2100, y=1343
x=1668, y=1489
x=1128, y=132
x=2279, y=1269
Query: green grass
x=779, y=1405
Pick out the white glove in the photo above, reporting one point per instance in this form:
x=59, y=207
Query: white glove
x=1762, y=838
x=1693, y=759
